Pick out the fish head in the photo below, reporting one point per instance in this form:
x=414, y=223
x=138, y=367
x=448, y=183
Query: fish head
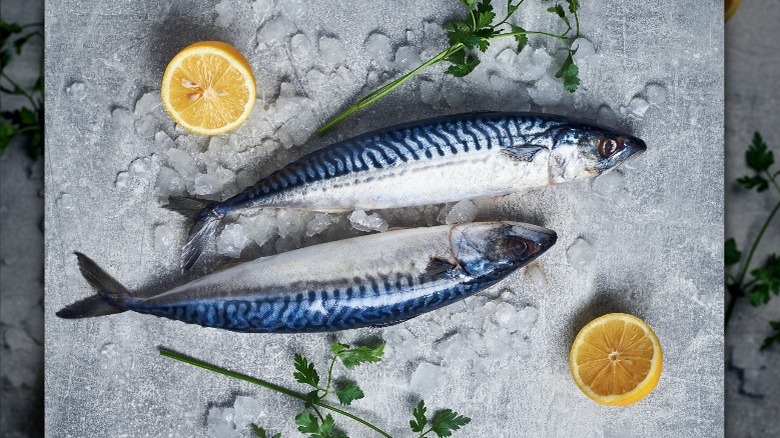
x=497, y=248
x=585, y=151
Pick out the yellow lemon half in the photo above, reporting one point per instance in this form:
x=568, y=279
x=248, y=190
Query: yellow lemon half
x=208, y=88
x=616, y=359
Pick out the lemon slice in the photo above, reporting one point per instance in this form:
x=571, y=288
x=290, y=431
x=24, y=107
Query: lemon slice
x=616, y=359
x=208, y=88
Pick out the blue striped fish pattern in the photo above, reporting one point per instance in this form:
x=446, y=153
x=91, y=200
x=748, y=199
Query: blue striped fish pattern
x=367, y=281
x=432, y=161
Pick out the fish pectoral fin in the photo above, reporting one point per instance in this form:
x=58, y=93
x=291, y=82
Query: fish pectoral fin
x=525, y=152
x=438, y=267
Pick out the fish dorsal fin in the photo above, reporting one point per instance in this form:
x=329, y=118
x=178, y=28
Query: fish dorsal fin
x=525, y=152
x=438, y=267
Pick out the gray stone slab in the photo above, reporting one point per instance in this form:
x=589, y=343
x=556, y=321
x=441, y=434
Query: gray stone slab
x=655, y=228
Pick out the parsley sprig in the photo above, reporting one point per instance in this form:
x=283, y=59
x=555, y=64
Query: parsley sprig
x=311, y=420
x=765, y=280
x=25, y=121
x=473, y=34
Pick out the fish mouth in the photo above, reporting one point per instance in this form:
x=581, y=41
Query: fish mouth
x=545, y=238
x=632, y=148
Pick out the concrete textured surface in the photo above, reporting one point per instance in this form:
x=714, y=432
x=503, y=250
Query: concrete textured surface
x=655, y=228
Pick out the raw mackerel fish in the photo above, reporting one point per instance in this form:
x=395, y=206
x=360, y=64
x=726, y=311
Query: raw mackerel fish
x=427, y=162
x=372, y=280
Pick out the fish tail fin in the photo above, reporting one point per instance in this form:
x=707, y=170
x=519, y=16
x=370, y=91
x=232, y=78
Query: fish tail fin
x=108, y=300
x=207, y=222
x=190, y=207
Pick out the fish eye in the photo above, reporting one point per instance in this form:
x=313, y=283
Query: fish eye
x=608, y=146
x=517, y=246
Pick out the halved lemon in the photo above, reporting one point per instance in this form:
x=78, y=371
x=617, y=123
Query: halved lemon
x=208, y=88
x=616, y=359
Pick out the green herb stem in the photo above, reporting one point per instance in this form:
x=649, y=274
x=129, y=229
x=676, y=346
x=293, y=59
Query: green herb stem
x=386, y=89
x=382, y=92
x=772, y=179
x=267, y=385
x=746, y=266
x=24, y=93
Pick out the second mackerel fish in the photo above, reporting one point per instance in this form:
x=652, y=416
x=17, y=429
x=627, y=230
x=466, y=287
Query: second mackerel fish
x=432, y=161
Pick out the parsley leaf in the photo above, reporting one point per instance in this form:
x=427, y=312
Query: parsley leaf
x=521, y=39
x=569, y=72
x=419, y=421
x=326, y=428
x=349, y=393
x=574, y=5
x=305, y=372
x=731, y=253
x=558, y=10
x=758, y=155
x=484, y=15
x=446, y=421
x=758, y=182
x=356, y=356
x=462, y=64
x=307, y=423
x=260, y=432
x=773, y=338
x=767, y=281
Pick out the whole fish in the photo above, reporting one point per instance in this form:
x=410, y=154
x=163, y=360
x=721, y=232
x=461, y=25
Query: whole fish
x=372, y=280
x=428, y=162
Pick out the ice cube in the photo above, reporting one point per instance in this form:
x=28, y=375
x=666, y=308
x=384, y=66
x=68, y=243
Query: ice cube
x=332, y=51
x=379, y=48
x=655, y=93
x=232, y=240
x=76, y=91
x=320, y=223
x=407, y=57
x=122, y=117
x=246, y=410
x=430, y=92
x=537, y=276
x=169, y=183
x=226, y=13
x=426, y=378
x=406, y=347
x=636, y=108
x=547, y=91
x=148, y=103
x=219, y=423
x=65, y=201
x=506, y=316
x=580, y=254
x=364, y=222
x=462, y=212
x=526, y=318
x=182, y=162
x=261, y=227
x=207, y=183
x=275, y=31
x=164, y=238
x=533, y=63
x=302, y=51
x=147, y=125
